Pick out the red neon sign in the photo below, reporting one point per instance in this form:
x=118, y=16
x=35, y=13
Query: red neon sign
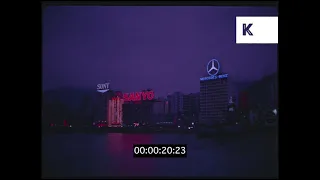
x=138, y=96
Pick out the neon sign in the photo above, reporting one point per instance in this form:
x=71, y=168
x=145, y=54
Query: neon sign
x=138, y=96
x=102, y=88
x=213, y=68
x=214, y=77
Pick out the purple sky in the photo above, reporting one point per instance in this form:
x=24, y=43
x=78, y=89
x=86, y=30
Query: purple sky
x=163, y=48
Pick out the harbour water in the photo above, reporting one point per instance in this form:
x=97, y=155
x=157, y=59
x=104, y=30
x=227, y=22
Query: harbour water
x=111, y=155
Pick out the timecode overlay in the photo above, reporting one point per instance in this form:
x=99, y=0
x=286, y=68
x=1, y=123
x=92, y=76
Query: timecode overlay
x=160, y=150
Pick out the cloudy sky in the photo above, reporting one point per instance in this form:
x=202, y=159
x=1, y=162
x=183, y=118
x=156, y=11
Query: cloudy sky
x=134, y=48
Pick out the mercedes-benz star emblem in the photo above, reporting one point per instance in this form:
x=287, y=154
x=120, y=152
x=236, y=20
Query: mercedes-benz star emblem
x=213, y=67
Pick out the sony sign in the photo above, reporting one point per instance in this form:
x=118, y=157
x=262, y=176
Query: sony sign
x=102, y=88
x=213, y=68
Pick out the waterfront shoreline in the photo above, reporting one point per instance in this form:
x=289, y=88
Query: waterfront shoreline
x=198, y=132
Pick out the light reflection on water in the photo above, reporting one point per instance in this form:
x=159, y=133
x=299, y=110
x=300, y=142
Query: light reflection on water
x=94, y=155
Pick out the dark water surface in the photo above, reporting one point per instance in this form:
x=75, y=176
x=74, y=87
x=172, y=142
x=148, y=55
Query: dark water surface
x=101, y=155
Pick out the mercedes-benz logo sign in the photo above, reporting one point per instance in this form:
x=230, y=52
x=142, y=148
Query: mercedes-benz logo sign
x=213, y=67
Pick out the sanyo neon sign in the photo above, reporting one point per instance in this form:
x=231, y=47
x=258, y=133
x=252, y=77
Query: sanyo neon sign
x=102, y=88
x=213, y=68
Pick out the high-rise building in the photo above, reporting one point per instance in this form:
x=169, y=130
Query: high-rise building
x=158, y=110
x=196, y=102
x=195, y=106
x=166, y=107
x=115, y=112
x=186, y=107
x=213, y=100
x=191, y=104
x=169, y=100
x=176, y=103
x=159, y=107
x=215, y=92
x=100, y=105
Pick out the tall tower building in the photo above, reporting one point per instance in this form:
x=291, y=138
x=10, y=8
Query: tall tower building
x=115, y=112
x=176, y=102
x=187, y=104
x=215, y=92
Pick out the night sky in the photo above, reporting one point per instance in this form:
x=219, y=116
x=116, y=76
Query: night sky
x=134, y=48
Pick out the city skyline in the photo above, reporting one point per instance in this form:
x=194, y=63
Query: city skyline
x=242, y=87
x=163, y=48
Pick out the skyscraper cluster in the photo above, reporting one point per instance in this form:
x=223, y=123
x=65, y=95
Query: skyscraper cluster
x=177, y=104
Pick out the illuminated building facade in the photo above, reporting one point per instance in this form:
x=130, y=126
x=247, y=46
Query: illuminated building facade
x=115, y=112
x=101, y=105
x=215, y=91
x=213, y=100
